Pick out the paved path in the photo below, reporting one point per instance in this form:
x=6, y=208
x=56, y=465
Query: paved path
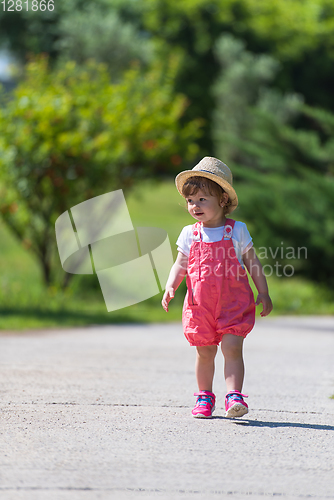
x=105, y=412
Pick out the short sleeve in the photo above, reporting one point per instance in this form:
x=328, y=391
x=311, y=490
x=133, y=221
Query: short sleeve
x=184, y=240
x=246, y=241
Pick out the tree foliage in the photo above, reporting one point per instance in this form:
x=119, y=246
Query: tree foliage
x=297, y=33
x=70, y=134
x=290, y=28
x=93, y=34
x=284, y=174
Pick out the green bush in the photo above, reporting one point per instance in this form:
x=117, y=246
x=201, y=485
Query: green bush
x=70, y=134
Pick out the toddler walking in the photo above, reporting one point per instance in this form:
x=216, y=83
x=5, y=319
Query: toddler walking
x=219, y=305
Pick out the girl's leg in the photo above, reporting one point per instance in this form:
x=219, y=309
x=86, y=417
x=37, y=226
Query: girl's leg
x=205, y=366
x=231, y=346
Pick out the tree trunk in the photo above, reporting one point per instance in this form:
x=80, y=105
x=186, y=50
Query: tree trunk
x=46, y=267
x=66, y=281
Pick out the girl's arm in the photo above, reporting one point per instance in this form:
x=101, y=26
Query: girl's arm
x=176, y=275
x=255, y=269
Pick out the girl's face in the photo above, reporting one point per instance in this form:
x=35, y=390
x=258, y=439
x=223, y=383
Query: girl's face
x=206, y=208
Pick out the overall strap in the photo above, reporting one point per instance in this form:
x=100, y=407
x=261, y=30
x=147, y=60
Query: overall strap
x=196, y=231
x=195, y=249
x=228, y=229
x=230, y=222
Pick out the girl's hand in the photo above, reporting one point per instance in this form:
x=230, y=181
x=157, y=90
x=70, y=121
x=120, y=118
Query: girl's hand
x=168, y=295
x=267, y=304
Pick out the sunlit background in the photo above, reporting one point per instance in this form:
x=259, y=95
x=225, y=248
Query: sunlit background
x=124, y=94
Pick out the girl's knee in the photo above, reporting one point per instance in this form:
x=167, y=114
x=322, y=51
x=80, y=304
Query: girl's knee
x=231, y=346
x=207, y=352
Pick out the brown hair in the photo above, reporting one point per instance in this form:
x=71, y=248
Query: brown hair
x=193, y=184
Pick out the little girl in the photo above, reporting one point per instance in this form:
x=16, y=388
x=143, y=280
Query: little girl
x=219, y=305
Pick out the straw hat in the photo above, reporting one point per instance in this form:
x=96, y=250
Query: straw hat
x=213, y=169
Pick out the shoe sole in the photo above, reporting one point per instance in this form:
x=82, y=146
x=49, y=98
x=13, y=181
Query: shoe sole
x=237, y=410
x=200, y=415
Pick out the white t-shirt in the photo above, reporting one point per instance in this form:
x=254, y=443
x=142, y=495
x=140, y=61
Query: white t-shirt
x=241, y=238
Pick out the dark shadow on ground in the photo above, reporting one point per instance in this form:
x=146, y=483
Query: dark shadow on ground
x=272, y=425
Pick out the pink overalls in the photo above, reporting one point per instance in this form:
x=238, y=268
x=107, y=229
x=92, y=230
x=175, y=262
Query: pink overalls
x=219, y=299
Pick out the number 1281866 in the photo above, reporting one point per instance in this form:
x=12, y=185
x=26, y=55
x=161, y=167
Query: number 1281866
x=35, y=5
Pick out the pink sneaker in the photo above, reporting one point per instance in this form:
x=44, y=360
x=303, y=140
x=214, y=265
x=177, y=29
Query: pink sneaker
x=205, y=404
x=235, y=405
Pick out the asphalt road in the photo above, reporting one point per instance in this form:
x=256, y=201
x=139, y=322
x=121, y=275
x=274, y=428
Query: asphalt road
x=105, y=412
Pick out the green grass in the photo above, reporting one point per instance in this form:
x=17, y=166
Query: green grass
x=26, y=304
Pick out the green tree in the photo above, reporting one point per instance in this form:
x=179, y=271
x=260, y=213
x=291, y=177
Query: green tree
x=69, y=135
x=290, y=27
x=284, y=174
x=245, y=83
x=94, y=34
x=298, y=34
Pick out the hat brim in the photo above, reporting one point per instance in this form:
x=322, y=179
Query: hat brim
x=182, y=177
